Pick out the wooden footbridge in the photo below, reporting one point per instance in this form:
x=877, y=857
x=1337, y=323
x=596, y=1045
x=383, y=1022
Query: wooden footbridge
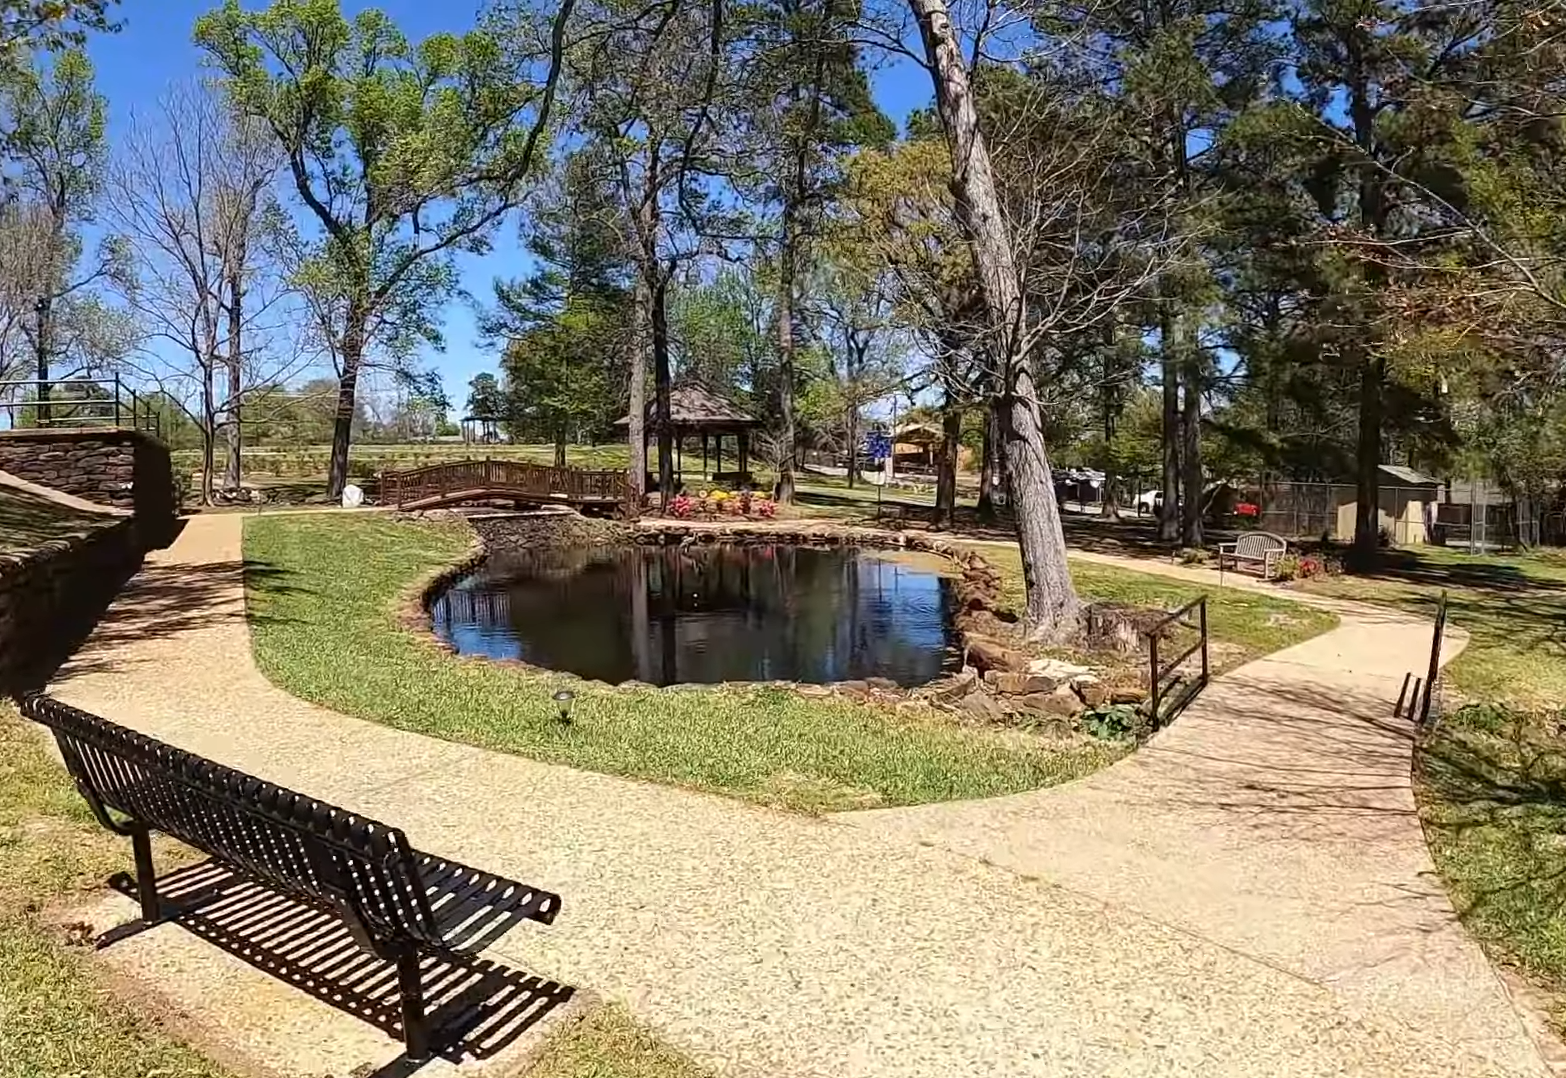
x=505, y=480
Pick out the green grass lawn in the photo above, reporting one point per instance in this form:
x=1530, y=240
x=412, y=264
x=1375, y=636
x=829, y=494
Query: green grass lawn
x=324, y=628
x=1244, y=624
x=27, y=520
x=1492, y=792
x=59, y=1020
x=1513, y=606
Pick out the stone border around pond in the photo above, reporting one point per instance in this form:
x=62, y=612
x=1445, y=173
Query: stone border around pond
x=995, y=680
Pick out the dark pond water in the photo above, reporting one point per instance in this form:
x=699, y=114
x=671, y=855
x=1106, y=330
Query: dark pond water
x=707, y=614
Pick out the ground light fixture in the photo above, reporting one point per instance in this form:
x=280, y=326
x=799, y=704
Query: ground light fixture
x=563, y=701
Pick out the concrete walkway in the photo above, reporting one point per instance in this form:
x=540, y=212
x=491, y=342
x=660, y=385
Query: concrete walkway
x=1248, y=896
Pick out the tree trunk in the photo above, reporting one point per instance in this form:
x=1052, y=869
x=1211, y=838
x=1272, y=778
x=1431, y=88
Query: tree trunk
x=208, y=423
x=1053, y=607
x=233, y=472
x=1168, y=519
x=988, y=479
x=1367, y=510
x=1054, y=611
x=347, y=404
x=41, y=345
x=853, y=446
x=1191, y=452
x=560, y=447
x=946, y=475
x=1110, y=502
x=637, y=431
x=661, y=389
x=785, y=313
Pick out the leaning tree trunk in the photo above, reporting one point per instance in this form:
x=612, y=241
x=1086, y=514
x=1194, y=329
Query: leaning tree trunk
x=1054, y=611
x=637, y=431
x=1053, y=607
x=560, y=446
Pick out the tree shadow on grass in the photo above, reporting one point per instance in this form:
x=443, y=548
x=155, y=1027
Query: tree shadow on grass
x=1417, y=568
x=1495, y=784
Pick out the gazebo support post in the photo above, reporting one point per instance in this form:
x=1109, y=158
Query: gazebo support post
x=704, y=471
x=718, y=444
x=744, y=451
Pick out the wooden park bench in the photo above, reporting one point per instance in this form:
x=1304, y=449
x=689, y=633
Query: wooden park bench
x=1260, y=549
x=396, y=903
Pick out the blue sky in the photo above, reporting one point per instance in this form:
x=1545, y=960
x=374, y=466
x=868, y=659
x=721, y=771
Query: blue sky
x=154, y=49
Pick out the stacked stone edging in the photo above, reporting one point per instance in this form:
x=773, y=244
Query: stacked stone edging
x=51, y=595
x=995, y=680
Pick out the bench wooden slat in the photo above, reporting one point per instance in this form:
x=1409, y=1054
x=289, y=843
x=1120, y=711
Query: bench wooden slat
x=395, y=901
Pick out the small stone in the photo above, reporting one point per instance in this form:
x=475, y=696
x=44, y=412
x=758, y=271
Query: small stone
x=1057, y=669
x=983, y=706
x=1128, y=696
x=992, y=678
x=956, y=688
x=885, y=684
x=1014, y=684
x=1091, y=692
x=814, y=692
x=1067, y=706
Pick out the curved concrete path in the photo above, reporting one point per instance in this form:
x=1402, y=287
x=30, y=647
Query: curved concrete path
x=1249, y=896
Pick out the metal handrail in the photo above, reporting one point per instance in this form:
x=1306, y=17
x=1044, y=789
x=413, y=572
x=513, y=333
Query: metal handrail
x=1158, y=672
x=121, y=408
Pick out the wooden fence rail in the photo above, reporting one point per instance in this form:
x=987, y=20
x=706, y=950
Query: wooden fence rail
x=478, y=480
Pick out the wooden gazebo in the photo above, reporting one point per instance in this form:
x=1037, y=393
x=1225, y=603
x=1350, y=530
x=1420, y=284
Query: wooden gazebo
x=697, y=412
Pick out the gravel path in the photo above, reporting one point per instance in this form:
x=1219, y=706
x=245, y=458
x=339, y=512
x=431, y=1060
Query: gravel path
x=1247, y=896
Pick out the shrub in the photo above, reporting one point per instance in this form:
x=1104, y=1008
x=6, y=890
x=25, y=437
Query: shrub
x=765, y=508
x=1193, y=556
x=1112, y=722
x=1287, y=568
x=681, y=505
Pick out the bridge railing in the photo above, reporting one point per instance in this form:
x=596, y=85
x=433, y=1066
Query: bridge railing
x=504, y=478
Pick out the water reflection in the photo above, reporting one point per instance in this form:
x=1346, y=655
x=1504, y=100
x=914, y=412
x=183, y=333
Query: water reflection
x=706, y=614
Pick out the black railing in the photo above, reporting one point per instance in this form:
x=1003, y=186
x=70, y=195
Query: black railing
x=1416, y=704
x=1161, y=675
x=78, y=402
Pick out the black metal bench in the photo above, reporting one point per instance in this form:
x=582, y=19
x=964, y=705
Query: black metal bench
x=396, y=902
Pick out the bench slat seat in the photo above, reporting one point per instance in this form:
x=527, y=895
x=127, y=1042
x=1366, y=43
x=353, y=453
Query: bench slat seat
x=395, y=901
x=1261, y=549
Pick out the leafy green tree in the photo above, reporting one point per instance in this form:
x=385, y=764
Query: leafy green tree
x=403, y=155
x=55, y=149
x=556, y=381
x=485, y=399
x=813, y=105
x=53, y=24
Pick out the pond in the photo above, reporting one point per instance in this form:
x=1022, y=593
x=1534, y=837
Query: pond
x=707, y=614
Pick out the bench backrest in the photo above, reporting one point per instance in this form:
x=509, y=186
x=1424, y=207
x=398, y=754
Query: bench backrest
x=1258, y=544
x=325, y=855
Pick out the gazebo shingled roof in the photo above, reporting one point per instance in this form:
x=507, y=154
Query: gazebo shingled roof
x=695, y=408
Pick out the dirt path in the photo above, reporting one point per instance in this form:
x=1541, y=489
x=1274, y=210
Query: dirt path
x=1248, y=896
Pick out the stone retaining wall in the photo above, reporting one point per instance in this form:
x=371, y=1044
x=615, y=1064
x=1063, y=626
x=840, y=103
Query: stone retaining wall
x=51, y=596
x=127, y=469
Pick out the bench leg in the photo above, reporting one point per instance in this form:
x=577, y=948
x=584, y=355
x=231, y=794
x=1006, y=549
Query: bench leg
x=146, y=876
x=415, y=1031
